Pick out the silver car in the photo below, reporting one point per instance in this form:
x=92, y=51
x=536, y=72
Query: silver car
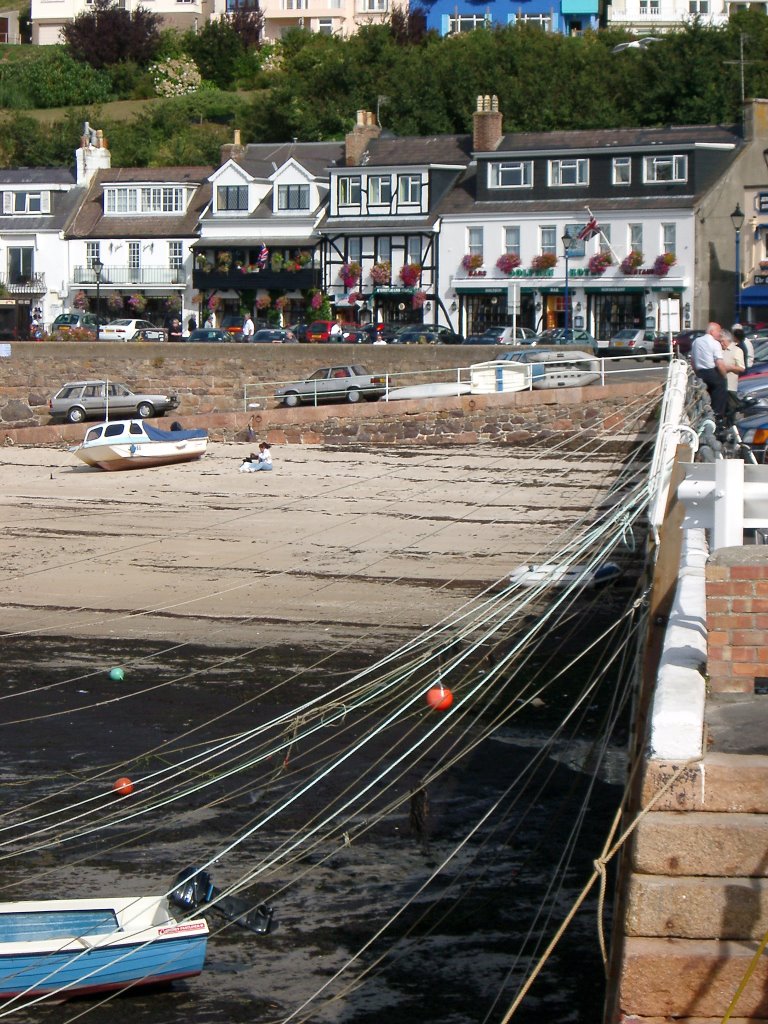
x=334, y=384
x=99, y=399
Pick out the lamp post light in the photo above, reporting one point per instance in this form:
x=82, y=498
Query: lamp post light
x=97, y=266
x=737, y=219
x=567, y=241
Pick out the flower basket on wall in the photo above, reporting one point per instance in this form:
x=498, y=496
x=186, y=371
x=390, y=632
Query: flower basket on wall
x=631, y=263
x=472, y=261
x=410, y=274
x=508, y=262
x=544, y=261
x=381, y=273
x=350, y=274
x=663, y=262
x=599, y=263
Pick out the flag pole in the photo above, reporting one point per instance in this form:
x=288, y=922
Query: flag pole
x=602, y=235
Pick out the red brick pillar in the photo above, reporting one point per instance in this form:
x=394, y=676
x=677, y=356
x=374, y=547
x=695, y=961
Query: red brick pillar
x=737, y=620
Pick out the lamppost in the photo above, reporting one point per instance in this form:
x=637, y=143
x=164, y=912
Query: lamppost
x=97, y=266
x=567, y=241
x=737, y=219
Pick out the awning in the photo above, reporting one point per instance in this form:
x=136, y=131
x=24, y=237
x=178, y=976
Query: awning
x=608, y=290
x=756, y=295
x=479, y=290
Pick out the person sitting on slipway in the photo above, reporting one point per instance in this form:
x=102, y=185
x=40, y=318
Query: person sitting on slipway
x=255, y=462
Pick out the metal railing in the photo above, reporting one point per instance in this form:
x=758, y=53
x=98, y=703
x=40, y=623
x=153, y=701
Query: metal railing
x=130, y=276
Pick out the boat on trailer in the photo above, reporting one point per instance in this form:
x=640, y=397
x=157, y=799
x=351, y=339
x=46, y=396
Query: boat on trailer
x=134, y=444
x=558, y=367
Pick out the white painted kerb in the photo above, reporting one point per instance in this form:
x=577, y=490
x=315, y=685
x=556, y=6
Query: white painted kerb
x=677, y=717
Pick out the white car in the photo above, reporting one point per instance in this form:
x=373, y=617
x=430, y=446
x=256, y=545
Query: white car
x=509, y=336
x=130, y=330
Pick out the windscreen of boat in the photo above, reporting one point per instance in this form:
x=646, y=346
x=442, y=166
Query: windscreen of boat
x=94, y=434
x=38, y=925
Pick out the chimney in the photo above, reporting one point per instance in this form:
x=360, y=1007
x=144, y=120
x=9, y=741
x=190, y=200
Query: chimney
x=755, y=120
x=232, y=150
x=92, y=156
x=487, y=128
x=357, y=141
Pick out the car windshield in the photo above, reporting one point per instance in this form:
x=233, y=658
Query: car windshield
x=120, y=323
x=625, y=335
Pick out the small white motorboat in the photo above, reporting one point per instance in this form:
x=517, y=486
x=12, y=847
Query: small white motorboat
x=557, y=367
x=134, y=444
x=553, y=574
x=443, y=390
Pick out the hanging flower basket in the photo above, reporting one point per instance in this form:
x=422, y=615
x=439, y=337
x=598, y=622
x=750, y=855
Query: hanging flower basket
x=350, y=274
x=419, y=298
x=410, y=274
x=381, y=273
x=80, y=301
x=631, y=263
x=263, y=302
x=137, y=302
x=282, y=302
x=544, y=261
x=663, y=262
x=214, y=302
x=316, y=301
x=472, y=261
x=599, y=263
x=115, y=302
x=508, y=262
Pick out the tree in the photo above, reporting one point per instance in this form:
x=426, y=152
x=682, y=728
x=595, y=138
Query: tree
x=216, y=49
x=107, y=34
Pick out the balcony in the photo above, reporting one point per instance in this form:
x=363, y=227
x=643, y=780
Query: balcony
x=20, y=284
x=130, y=277
x=270, y=280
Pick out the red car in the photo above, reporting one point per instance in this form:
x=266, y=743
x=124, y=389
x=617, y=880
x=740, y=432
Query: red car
x=319, y=330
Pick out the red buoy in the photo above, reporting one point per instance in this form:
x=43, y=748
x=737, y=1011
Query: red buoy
x=123, y=787
x=439, y=698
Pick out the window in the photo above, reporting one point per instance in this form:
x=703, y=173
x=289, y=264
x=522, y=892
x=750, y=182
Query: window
x=295, y=5
x=542, y=21
x=26, y=202
x=698, y=6
x=384, y=250
x=325, y=26
x=467, y=22
x=409, y=189
x=92, y=253
x=549, y=239
x=349, y=191
x=379, y=190
x=20, y=264
x=232, y=197
x=293, y=197
x=354, y=250
x=669, y=238
x=134, y=255
x=511, y=174
x=569, y=172
x=665, y=168
x=636, y=237
x=374, y=5
x=413, y=250
x=605, y=238
x=145, y=199
x=512, y=241
x=622, y=170
x=475, y=241
x=175, y=254
x=649, y=7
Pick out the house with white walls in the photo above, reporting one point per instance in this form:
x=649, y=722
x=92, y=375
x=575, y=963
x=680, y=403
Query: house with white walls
x=48, y=17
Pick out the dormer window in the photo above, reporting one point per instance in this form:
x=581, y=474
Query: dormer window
x=293, y=197
x=145, y=199
x=665, y=168
x=349, y=191
x=26, y=202
x=511, y=174
x=379, y=190
x=232, y=198
x=409, y=189
x=569, y=172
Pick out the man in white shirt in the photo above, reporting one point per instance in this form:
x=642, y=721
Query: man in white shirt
x=336, y=331
x=248, y=328
x=709, y=365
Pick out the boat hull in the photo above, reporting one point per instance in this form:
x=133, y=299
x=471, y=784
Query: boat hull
x=134, y=444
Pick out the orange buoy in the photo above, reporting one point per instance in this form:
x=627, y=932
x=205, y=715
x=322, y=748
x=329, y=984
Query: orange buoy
x=439, y=698
x=123, y=787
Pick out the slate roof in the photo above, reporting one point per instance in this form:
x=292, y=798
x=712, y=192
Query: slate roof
x=36, y=176
x=619, y=138
x=64, y=205
x=261, y=160
x=418, y=150
x=90, y=221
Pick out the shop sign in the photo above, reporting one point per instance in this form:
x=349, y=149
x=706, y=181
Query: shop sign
x=760, y=279
x=388, y=289
x=762, y=202
x=7, y=302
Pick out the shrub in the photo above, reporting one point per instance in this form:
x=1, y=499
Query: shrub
x=175, y=77
x=107, y=34
x=52, y=79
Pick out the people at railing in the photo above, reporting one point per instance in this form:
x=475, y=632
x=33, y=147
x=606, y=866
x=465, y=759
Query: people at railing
x=709, y=366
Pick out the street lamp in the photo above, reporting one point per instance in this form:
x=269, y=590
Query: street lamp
x=97, y=266
x=567, y=241
x=737, y=219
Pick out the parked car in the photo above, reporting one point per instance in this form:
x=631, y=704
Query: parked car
x=233, y=325
x=380, y=332
x=481, y=339
x=681, y=342
x=209, y=334
x=300, y=330
x=426, y=334
x=333, y=384
x=89, y=399
x=354, y=335
x=131, y=330
x=66, y=322
x=319, y=331
x=510, y=336
x=563, y=336
x=632, y=341
x=273, y=336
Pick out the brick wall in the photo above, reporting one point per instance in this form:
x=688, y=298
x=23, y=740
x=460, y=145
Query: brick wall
x=737, y=619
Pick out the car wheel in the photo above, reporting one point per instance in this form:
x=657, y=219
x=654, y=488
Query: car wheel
x=76, y=414
x=146, y=410
x=291, y=399
x=639, y=352
x=353, y=395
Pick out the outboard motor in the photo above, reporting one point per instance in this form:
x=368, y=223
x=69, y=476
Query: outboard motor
x=193, y=890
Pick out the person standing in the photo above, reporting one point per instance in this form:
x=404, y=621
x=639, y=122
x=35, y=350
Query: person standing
x=709, y=366
x=746, y=346
x=336, y=332
x=734, y=365
x=248, y=328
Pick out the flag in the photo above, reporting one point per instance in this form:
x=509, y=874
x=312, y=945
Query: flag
x=590, y=229
x=263, y=256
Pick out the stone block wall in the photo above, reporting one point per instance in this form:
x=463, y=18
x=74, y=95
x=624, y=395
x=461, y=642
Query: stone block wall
x=737, y=620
